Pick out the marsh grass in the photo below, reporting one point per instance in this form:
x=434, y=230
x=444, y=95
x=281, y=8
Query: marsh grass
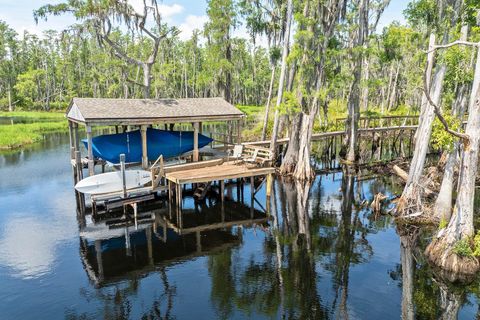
x=17, y=135
x=34, y=115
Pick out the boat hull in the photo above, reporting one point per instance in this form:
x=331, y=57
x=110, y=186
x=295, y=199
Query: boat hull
x=170, y=144
x=112, y=182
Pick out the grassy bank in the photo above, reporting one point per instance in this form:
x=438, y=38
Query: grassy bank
x=17, y=135
x=34, y=115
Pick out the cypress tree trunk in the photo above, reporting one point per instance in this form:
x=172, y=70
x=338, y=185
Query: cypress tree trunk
x=408, y=266
x=353, y=105
x=281, y=82
x=443, y=204
x=290, y=159
x=267, y=105
x=460, y=228
x=411, y=196
x=303, y=169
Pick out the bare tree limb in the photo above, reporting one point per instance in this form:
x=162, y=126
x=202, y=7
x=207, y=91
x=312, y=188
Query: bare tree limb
x=134, y=82
x=438, y=113
x=455, y=43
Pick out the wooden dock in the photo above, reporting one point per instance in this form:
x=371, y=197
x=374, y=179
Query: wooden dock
x=225, y=171
x=208, y=173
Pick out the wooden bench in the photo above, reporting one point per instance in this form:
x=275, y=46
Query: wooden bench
x=257, y=155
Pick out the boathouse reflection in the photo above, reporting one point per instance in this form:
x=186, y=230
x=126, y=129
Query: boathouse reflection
x=114, y=250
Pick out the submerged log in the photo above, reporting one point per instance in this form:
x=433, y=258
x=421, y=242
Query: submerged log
x=376, y=204
x=404, y=176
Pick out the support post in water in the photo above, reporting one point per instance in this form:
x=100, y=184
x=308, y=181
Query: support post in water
x=269, y=184
x=143, y=131
x=222, y=190
x=195, y=141
x=122, y=169
x=91, y=164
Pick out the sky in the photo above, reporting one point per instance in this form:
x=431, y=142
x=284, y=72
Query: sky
x=187, y=15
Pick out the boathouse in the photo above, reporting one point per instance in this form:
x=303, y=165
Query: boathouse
x=122, y=113
x=128, y=114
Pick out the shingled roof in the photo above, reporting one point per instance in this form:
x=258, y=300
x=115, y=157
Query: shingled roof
x=147, y=111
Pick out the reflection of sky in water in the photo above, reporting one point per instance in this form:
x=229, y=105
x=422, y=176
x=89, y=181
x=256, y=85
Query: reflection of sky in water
x=27, y=246
x=37, y=212
x=42, y=276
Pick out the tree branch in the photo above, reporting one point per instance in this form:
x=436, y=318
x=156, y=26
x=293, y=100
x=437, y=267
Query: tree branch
x=438, y=113
x=454, y=43
x=135, y=82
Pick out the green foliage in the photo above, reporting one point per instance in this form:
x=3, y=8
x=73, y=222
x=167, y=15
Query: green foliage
x=251, y=110
x=289, y=103
x=440, y=138
x=17, y=135
x=462, y=248
x=35, y=115
x=468, y=247
x=422, y=12
x=476, y=245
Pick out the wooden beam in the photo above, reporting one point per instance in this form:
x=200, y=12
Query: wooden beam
x=269, y=184
x=91, y=164
x=195, y=141
x=222, y=190
x=76, y=138
x=71, y=139
x=239, y=131
x=143, y=131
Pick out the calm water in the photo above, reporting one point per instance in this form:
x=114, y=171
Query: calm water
x=323, y=257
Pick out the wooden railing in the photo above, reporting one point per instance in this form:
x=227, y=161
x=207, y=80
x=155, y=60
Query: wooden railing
x=380, y=121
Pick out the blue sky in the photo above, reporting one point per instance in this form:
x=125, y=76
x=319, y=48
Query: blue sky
x=185, y=14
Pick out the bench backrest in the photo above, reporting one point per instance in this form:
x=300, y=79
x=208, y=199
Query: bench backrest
x=237, y=151
x=260, y=154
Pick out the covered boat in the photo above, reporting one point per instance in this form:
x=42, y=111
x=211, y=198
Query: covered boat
x=159, y=142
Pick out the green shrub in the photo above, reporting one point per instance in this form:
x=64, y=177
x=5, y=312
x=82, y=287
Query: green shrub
x=463, y=248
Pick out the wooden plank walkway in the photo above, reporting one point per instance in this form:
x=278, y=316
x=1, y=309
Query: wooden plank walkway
x=227, y=170
x=324, y=135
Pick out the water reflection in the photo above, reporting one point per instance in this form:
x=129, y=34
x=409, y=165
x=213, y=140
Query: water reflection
x=321, y=253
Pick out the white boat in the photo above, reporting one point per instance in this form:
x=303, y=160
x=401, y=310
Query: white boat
x=112, y=182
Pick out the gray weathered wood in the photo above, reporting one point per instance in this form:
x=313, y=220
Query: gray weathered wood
x=91, y=164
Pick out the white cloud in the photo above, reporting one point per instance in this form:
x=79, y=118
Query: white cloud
x=170, y=11
x=191, y=23
x=167, y=11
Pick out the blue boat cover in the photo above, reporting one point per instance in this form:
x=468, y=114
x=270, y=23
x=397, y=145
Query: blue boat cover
x=159, y=142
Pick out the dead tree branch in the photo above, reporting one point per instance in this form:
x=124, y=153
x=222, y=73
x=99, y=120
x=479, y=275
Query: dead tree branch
x=454, y=43
x=439, y=115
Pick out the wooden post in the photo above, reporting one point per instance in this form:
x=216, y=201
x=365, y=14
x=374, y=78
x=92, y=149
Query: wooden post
x=179, y=204
x=135, y=215
x=143, y=130
x=98, y=252
x=222, y=190
x=76, y=138
x=148, y=235
x=79, y=176
x=252, y=196
x=71, y=138
x=122, y=169
x=195, y=141
x=78, y=166
x=239, y=131
x=91, y=164
x=199, y=241
x=269, y=184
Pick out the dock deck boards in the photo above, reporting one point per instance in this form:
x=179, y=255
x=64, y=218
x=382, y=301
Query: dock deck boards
x=227, y=170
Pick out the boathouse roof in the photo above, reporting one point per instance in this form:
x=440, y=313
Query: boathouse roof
x=147, y=111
